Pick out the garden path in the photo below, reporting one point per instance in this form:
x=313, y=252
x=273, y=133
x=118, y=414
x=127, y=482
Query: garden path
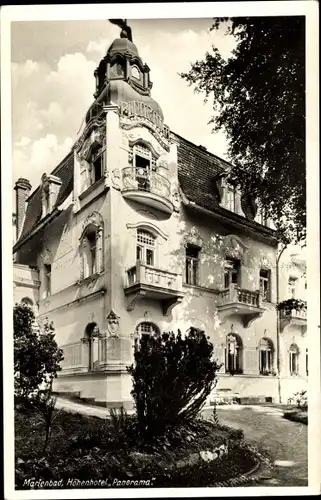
x=285, y=441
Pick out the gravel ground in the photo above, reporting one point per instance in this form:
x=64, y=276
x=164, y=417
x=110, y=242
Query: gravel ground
x=285, y=441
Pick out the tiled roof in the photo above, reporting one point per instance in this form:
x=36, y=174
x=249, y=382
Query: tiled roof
x=198, y=171
x=64, y=171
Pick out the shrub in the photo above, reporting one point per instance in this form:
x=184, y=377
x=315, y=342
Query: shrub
x=172, y=377
x=36, y=354
x=300, y=400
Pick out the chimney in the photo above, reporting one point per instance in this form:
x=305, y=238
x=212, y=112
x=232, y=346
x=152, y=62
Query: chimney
x=22, y=188
x=203, y=148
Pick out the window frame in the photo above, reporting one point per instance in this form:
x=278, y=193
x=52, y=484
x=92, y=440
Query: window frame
x=146, y=247
x=230, y=271
x=236, y=356
x=266, y=297
x=294, y=360
x=266, y=347
x=292, y=288
x=230, y=198
x=192, y=265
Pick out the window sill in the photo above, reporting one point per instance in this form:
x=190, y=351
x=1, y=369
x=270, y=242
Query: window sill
x=89, y=279
x=91, y=188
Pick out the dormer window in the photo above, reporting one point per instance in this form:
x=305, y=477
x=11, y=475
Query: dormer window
x=230, y=200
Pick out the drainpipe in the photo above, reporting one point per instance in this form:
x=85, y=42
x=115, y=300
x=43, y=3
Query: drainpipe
x=278, y=257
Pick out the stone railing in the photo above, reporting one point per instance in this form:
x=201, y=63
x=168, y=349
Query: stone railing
x=294, y=313
x=234, y=294
x=150, y=275
x=76, y=357
x=137, y=179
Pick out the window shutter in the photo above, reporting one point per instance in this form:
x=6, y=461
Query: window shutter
x=219, y=355
x=251, y=360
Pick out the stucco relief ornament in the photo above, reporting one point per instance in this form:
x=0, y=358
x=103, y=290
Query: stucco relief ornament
x=193, y=237
x=115, y=178
x=46, y=257
x=113, y=324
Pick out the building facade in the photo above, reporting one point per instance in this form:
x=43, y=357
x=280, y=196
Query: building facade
x=137, y=231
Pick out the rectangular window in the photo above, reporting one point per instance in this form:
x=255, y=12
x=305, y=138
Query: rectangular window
x=292, y=287
x=232, y=272
x=262, y=216
x=48, y=279
x=265, y=287
x=293, y=363
x=139, y=253
x=230, y=198
x=98, y=168
x=149, y=257
x=142, y=167
x=191, y=265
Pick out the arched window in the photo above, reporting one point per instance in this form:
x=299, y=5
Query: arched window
x=234, y=354
x=91, y=249
x=91, y=338
x=145, y=247
x=266, y=352
x=294, y=359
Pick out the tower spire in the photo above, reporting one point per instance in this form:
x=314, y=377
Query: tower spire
x=126, y=31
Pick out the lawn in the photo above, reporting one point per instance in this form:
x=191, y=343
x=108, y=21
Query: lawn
x=88, y=448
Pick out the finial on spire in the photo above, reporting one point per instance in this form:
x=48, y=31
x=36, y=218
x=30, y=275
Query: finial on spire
x=126, y=31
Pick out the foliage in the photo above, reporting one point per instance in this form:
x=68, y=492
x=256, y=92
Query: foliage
x=172, y=377
x=300, y=399
x=89, y=448
x=290, y=304
x=258, y=95
x=36, y=354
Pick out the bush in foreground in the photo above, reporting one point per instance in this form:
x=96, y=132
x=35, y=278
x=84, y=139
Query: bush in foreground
x=172, y=378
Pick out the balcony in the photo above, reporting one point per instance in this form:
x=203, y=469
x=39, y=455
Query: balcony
x=76, y=358
x=145, y=281
x=238, y=301
x=148, y=188
x=297, y=317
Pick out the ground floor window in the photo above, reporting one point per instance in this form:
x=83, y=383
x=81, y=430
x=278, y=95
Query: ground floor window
x=294, y=359
x=234, y=354
x=266, y=351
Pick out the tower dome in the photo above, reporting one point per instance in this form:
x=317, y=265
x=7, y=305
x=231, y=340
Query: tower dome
x=122, y=46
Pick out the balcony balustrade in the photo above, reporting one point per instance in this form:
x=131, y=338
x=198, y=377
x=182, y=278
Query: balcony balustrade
x=238, y=301
x=296, y=317
x=150, y=282
x=76, y=358
x=147, y=187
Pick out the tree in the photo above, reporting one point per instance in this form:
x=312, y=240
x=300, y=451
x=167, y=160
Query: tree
x=36, y=354
x=172, y=377
x=258, y=97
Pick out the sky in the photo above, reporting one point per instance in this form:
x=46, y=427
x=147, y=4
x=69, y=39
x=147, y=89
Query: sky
x=53, y=83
